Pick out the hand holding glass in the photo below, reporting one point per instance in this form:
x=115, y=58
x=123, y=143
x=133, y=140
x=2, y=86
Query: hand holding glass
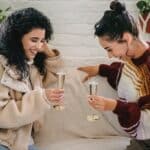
x=60, y=85
x=93, y=86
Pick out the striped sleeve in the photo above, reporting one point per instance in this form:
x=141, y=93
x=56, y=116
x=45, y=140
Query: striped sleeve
x=128, y=116
x=112, y=72
x=144, y=102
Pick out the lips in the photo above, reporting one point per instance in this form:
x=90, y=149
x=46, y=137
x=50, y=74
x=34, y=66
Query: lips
x=33, y=52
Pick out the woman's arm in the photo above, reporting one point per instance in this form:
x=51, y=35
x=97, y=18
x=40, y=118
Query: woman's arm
x=129, y=114
x=53, y=65
x=112, y=72
x=14, y=113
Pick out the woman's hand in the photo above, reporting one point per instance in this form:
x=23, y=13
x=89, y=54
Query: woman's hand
x=48, y=51
x=102, y=103
x=55, y=96
x=90, y=70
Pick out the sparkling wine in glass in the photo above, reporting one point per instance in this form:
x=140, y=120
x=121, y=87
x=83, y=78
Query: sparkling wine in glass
x=93, y=86
x=60, y=84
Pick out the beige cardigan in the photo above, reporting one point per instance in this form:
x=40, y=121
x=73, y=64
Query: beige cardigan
x=19, y=105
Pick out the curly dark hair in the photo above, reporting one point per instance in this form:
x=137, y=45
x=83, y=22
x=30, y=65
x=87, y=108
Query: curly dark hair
x=12, y=30
x=115, y=22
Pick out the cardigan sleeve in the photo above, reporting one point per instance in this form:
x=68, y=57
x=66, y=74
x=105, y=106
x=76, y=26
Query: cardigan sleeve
x=111, y=72
x=53, y=65
x=129, y=114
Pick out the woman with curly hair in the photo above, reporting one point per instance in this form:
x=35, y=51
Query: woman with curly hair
x=118, y=34
x=27, y=67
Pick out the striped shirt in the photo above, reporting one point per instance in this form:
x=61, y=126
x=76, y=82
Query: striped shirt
x=132, y=82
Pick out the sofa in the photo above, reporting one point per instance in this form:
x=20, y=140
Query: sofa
x=69, y=129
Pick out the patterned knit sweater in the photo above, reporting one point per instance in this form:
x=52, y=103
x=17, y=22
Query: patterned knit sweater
x=132, y=82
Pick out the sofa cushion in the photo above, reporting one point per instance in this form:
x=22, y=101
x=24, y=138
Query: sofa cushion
x=70, y=129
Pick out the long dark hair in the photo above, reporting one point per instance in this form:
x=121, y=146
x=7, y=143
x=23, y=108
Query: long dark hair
x=13, y=28
x=115, y=22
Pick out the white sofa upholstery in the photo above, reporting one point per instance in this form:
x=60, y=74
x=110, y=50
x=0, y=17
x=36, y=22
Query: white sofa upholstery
x=69, y=129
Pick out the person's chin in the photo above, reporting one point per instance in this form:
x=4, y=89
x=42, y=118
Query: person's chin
x=31, y=58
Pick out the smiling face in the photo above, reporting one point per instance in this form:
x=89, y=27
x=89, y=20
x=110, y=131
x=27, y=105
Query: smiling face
x=114, y=48
x=32, y=42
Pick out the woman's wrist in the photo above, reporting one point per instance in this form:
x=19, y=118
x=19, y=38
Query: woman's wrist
x=111, y=105
x=46, y=97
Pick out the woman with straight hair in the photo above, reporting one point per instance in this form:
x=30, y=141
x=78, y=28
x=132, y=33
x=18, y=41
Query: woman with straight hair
x=118, y=34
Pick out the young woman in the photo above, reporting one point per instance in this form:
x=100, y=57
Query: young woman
x=27, y=67
x=118, y=35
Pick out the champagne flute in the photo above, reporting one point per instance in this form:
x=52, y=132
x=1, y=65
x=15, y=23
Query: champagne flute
x=60, y=84
x=93, y=86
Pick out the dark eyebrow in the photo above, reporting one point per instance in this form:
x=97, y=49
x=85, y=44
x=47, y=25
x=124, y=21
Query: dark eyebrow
x=36, y=38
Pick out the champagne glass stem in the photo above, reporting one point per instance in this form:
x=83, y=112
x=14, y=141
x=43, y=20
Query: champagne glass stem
x=93, y=86
x=60, y=85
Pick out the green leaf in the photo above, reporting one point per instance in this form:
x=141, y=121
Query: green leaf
x=3, y=13
x=143, y=6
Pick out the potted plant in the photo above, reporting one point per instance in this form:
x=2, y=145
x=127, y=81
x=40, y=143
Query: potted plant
x=3, y=13
x=144, y=15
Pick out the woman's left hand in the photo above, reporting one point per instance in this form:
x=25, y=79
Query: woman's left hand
x=102, y=103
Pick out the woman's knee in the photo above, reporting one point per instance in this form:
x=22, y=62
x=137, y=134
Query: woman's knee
x=32, y=147
x=3, y=147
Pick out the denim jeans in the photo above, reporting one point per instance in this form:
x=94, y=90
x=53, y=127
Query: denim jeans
x=31, y=147
x=3, y=148
x=139, y=145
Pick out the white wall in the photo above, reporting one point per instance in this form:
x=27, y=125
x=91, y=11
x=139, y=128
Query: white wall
x=73, y=22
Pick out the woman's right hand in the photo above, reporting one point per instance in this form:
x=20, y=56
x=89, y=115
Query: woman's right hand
x=47, y=50
x=55, y=96
x=90, y=70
